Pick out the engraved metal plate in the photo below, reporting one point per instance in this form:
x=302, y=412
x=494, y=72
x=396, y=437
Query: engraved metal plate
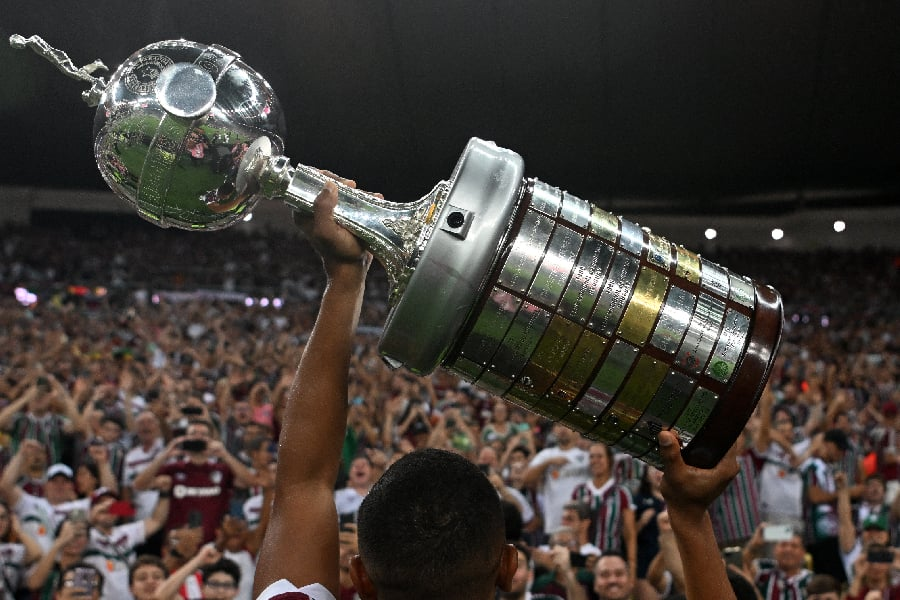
x=526, y=252
x=556, y=266
x=609, y=378
x=615, y=294
x=729, y=346
x=665, y=407
x=674, y=320
x=585, y=356
x=587, y=277
x=687, y=264
x=550, y=355
x=741, y=290
x=545, y=198
x=638, y=391
x=632, y=237
x=659, y=252
x=604, y=224
x=713, y=278
x=701, y=334
x=575, y=210
x=644, y=306
x=695, y=414
x=636, y=445
x=520, y=341
x=491, y=327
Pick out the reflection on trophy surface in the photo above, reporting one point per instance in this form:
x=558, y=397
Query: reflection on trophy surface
x=524, y=289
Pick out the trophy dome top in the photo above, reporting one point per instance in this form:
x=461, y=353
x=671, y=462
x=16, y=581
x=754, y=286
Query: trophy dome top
x=172, y=127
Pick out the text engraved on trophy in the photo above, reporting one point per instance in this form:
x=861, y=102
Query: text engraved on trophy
x=520, y=341
x=741, y=290
x=640, y=315
x=575, y=210
x=491, y=326
x=713, y=278
x=659, y=251
x=635, y=444
x=695, y=414
x=674, y=320
x=729, y=346
x=615, y=294
x=587, y=277
x=640, y=388
x=550, y=355
x=527, y=251
x=578, y=368
x=632, y=237
x=666, y=405
x=556, y=266
x=687, y=264
x=604, y=224
x=609, y=378
x=701, y=334
x=545, y=198
x=140, y=77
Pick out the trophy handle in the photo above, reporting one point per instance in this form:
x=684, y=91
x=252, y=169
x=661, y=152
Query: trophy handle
x=390, y=230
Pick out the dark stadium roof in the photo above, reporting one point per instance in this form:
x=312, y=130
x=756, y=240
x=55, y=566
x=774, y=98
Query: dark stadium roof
x=720, y=106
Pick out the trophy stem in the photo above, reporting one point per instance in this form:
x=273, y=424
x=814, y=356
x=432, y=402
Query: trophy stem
x=394, y=232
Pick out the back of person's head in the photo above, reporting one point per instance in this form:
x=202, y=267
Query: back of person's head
x=431, y=527
x=820, y=583
x=223, y=565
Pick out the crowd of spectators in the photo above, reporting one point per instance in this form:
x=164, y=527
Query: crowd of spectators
x=142, y=375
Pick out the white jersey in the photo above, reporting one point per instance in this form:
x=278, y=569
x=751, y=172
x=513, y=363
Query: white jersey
x=113, y=555
x=136, y=460
x=12, y=566
x=559, y=481
x=40, y=519
x=285, y=590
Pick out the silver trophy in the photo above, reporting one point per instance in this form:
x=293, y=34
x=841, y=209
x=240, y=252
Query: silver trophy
x=519, y=287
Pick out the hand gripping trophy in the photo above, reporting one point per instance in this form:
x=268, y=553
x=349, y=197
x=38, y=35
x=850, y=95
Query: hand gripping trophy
x=525, y=290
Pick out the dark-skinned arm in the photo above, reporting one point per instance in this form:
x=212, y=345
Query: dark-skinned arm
x=301, y=541
x=688, y=492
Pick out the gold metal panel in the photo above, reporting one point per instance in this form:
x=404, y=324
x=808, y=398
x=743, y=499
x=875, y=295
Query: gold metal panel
x=644, y=306
x=687, y=264
x=639, y=390
x=551, y=354
x=604, y=224
x=578, y=369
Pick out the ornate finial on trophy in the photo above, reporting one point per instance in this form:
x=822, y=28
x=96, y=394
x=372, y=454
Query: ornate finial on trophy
x=62, y=62
x=527, y=291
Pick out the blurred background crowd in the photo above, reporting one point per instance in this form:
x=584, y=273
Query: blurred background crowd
x=143, y=372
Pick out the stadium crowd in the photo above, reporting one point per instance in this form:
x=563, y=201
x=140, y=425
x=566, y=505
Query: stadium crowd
x=142, y=375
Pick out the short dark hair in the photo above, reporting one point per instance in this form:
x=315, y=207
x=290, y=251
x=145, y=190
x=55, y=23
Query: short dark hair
x=223, y=565
x=431, y=527
x=144, y=560
x=580, y=508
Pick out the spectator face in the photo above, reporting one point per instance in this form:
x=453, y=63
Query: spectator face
x=110, y=432
x=59, y=489
x=611, y=579
x=147, y=427
x=784, y=424
x=500, y=412
x=69, y=591
x=219, y=586
x=874, y=491
x=85, y=482
x=599, y=460
x=146, y=579
x=360, y=472
x=488, y=456
x=789, y=554
x=242, y=412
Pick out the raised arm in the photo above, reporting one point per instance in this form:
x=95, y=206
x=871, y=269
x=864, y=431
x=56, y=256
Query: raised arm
x=301, y=541
x=688, y=492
